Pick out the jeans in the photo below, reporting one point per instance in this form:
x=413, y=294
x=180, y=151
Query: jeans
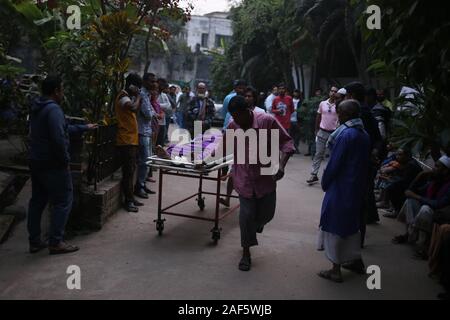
x=53, y=186
x=321, y=142
x=180, y=119
x=145, y=151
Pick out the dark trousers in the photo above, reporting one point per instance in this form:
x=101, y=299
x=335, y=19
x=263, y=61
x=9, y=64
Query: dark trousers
x=372, y=211
x=128, y=158
x=162, y=132
x=254, y=214
x=294, y=132
x=395, y=193
x=369, y=213
x=54, y=187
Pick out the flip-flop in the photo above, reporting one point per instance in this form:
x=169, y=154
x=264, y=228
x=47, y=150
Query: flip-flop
x=245, y=264
x=330, y=276
x=420, y=255
x=400, y=239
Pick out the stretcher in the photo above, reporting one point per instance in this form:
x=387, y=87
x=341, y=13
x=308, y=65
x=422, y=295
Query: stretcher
x=212, y=171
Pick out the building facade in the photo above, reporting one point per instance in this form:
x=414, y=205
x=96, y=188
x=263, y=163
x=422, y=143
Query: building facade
x=201, y=34
x=208, y=32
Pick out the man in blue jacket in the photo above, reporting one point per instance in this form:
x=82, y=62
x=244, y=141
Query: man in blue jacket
x=51, y=179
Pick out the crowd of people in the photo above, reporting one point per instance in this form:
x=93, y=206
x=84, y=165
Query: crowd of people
x=365, y=172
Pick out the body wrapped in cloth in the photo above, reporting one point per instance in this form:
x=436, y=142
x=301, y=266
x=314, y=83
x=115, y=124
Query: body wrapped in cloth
x=200, y=150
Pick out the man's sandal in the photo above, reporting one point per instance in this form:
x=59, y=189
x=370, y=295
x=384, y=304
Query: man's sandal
x=245, y=263
x=329, y=275
x=356, y=267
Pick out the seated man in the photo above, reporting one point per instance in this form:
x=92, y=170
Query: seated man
x=419, y=207
x=395, y=179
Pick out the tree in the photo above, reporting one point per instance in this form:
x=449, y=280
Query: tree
x=417, y=57
x=273, y=37
x=108, y=30
x=255, y=52
x=329, y=28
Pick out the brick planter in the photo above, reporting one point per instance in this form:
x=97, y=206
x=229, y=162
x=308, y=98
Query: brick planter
x=96, y=201
x=96, y=206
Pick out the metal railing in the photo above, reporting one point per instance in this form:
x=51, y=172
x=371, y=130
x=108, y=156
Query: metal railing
x=103, y=160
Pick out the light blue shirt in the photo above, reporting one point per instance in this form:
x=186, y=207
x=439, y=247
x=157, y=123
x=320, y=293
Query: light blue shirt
x=225, y=112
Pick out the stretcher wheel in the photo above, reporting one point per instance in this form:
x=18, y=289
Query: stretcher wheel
x=201, y=204
x=216, y=236
x=160, y=227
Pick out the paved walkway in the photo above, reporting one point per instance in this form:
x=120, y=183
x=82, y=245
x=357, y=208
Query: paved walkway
x=127, y=259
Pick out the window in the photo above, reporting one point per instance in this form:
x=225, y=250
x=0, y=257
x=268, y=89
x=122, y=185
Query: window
x=205, y=37
x=221, y=40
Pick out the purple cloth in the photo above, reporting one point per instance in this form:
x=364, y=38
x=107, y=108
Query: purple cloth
x=208, y=143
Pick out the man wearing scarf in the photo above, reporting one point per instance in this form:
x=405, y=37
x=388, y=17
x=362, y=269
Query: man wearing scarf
x=201, y=108
x=345, y=184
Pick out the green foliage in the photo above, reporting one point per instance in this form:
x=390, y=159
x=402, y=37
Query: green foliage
x=10, y=71
x=307, y=115
x=222, y=76
x=90, y=63
x=93, y=61
x=255, y=52
x=272, y=36
x=417, y=57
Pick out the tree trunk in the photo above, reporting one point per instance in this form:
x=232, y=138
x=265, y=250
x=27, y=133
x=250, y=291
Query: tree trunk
x=302, y=74
x=297, y=75
x=103, y=7
x=313, y=71
x=147, y=51
x=349, y=25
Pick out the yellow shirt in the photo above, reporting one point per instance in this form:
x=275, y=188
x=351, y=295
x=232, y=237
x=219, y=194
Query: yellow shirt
x=388, y=104
x=127, y=133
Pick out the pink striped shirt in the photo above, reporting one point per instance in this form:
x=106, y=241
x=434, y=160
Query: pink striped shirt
x=247, y=178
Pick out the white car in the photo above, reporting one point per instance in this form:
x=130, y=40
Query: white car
x=218, y=117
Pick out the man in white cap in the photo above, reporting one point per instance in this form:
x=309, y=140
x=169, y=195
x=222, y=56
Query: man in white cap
x=342, y=92
x=421, y=204
x=340, y=96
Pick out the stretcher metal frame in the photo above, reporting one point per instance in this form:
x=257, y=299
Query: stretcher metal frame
x=189, y=170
